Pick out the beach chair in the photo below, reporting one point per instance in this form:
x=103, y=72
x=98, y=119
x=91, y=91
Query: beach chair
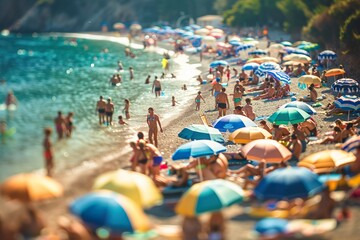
x=204, y=120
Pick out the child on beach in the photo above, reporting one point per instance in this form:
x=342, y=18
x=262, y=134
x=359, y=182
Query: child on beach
x=173, y=101
x=198, y=101
x=48, y=153
x=126, y=108
x=121, y=120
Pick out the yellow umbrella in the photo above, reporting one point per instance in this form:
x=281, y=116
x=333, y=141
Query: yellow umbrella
x=327, y=160
x=255, y=60
x=30, y=187
x=269, y=59
x=136, y=186
x=291, y=63
x=301, y=58
x=248, y=134
x=309, y=79
x=294, y=57
x=334, y=72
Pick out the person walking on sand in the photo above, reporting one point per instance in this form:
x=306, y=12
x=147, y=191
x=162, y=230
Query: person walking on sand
x=173, y=101
x=157, y=87
x=126, y=108
x=223, y=102
x=48, y=153
x=131, y=73
x=198, y=101
x=109, y=111
x=228, y=72
x=153, y=120
x=237, y=97
x=248, y=109
x=216, y=89
x=60, y=125
x=100, y=108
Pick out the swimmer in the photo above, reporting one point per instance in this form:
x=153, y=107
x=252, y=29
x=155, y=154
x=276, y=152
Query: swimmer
x=100, y=108
x=48, y=152
x=198, y=101
x=157, y=87
x=69, y=124
x=173, y=101
x=147, y=80
x=126, y=108
x=121, y=121
x=109, y=111
x=162, y=76
x=131, y=73
x=184, y=87
x=120, y=66
x=10, y=99
x=60, y=125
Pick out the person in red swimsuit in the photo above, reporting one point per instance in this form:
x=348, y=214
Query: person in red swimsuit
x=48, y=154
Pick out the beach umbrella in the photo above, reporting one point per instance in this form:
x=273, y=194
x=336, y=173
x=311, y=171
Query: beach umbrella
x=334, y=72
x=327, y=161
x=300, y=52
x=286, y=43
x=209, y=27
x=309, y=47
x=348, y=103
x=300, y=105
x=255, y=60
x=119, y=26
x=244, y=47
x=202, y=31
x=248, y=134
x=345, y=85
x=250, y=66
x=351, y=144
x=110, y=210
x=268, y=66
x=298, y=43
x=232, y=122
x=276, y=47
x=214, y=64
x=258, y=52
x=209, y=40
x=135, y=27
x=327, y=54
x=268, y=150
x=268, y=59
x=271, y=226
x=136, y=186
x=291, y=63
x=198, y=148
x=200, y=131
x=301, y=58
x=235, y=43
x=280, y=76
x=209, y=196
x=309, y=79
x=288, y=183
x=217, y=30
x=28, y=187
x=288, y=115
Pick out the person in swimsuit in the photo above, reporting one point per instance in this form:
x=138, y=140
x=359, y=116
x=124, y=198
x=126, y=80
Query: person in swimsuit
x=147, y=80
x=347, y=132
x=126, y=108
x=264, y=125
x=198, y=101
x=121, y=120
x=216, y=90
x=227, y=72
x=157, y=87
x=153, y=120
x=69, y=124
x=10, y=99
x=248, y=109
x=237, y=97
x=131, y=73
x=109, y=111
x=223, y=102
x=141, y=157
x=100, y=108
x=60, y=125
x=48, y=153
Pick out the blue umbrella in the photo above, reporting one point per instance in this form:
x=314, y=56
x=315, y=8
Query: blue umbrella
x=300, y=51
x=244, y=47
x=250, y=66
x=271, y=226
x=288, y=183
x=348, y=103
x=266, y=67
x=345, y=85
x=219, y=62
x=327, y=54
x=235, y=43
x=286, y=43
x=200, y=131
x=301, y=105
x=258, y=52
x=351, y=144
x=196, y=42
x=198, y=148
x=233, y=122
x=280, y=76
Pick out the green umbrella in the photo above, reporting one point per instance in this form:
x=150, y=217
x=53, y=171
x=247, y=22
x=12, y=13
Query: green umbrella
x=288, y=115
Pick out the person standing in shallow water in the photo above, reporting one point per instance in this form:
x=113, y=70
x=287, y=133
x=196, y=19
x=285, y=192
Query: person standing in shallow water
x=60, y=125
x=153, y=120
x=48, y=153
x=109, y=111
x=157, y=87
x=100, y=108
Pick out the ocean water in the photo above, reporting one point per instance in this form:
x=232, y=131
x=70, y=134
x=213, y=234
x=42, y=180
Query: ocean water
x=51, y=73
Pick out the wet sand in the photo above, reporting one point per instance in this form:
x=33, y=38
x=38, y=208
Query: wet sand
x=239, y=224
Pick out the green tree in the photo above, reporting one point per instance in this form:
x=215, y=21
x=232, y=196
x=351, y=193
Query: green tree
x=243, y=13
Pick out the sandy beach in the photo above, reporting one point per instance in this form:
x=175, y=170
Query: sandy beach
x=79, y=180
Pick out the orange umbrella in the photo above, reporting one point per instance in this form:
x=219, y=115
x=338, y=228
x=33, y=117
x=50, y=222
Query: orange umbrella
x=327, y=160
x=248, y=134
x=334, y=72
x=30, y=187
x=266, y=149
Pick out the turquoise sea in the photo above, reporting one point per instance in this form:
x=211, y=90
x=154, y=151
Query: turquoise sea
x=52, y=72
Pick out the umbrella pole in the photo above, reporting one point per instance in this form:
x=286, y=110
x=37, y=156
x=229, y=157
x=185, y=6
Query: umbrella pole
x=200, y=170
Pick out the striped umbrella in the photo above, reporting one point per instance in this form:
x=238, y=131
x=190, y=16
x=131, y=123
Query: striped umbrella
x=209, y=196
x=348, y=103
x=280, y=76
x=286, y=43
x=235, y=43
x=258, y=52
x=351, y=144
x=345, y=85
x=219, y=62
x=327, y=54
x=265, y=67
x=244, y=47
x=300, y=105
x=250, y=66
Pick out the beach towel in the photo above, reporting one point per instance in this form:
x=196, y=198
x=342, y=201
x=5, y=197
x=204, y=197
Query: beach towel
x=317, y=104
